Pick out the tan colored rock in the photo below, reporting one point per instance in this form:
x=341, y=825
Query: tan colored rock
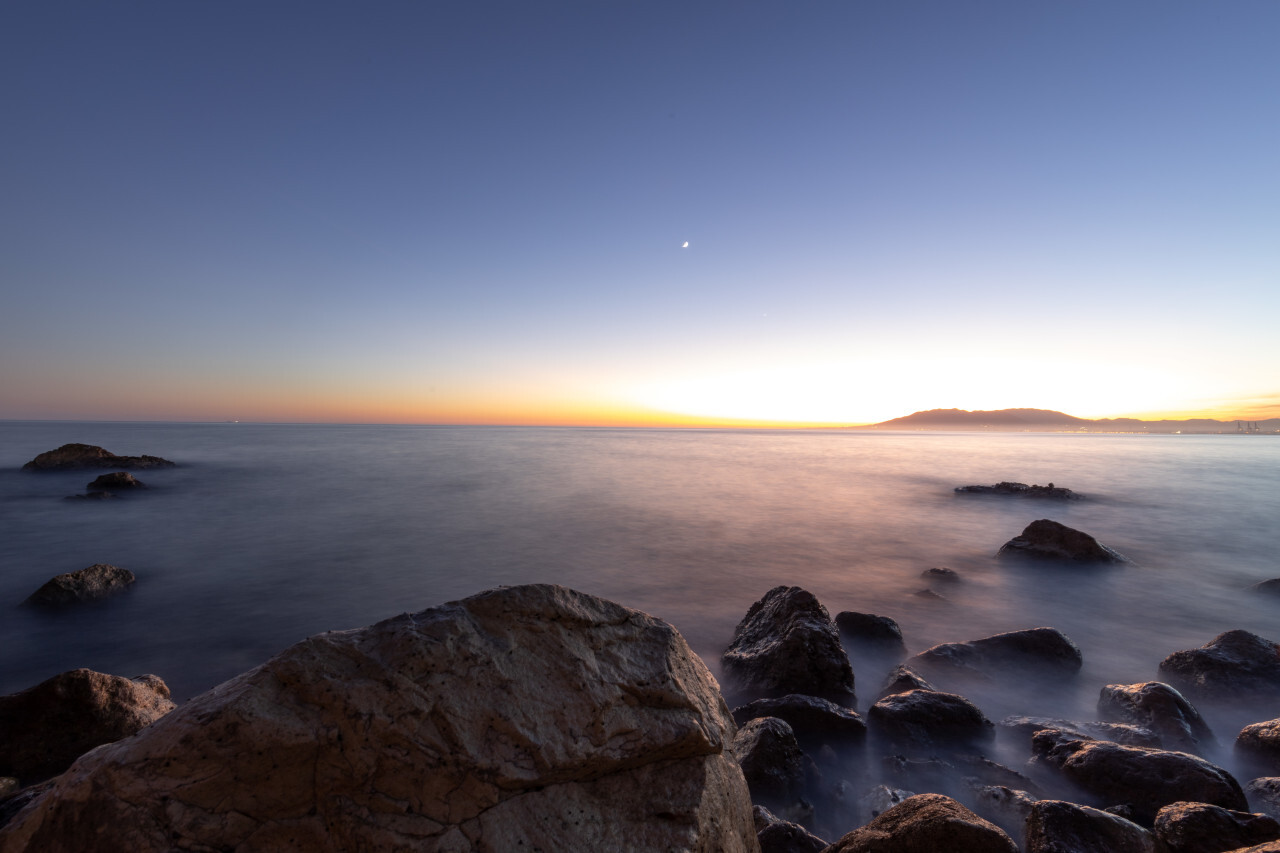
x=926, y=823
x=529, y=717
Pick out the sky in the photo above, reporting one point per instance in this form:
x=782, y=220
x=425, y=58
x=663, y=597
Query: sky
x=474, y=212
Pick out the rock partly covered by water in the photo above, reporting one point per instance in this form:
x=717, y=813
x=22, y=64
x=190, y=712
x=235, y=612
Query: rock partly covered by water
x=1267, y=587
x=1158, y=707
x=529, y=717
x=118, y=481
x=1143, y=779
x=878, y=633
x=1233, y=665
x=786, y=644
x=73, y=456
x=1201, y=828
x=923, y=824
x=776, y=769
x=901, y=679
x=1050, y=540
x=45, y=728
x=1124, y=733
x=1034, y=650
x=782, y=836
x=815, y=721
x=1259, y=745
x=100, y=580
x=1264, y=795
x=928, y=719
x=1021, y=490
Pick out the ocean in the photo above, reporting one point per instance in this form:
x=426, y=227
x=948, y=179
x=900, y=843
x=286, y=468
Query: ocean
x=267, y=534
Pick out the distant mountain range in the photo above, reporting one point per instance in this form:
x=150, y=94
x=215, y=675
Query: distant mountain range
x=1045, y=420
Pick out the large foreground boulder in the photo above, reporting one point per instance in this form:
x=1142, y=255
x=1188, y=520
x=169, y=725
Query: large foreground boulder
x=522, y=718
x=1233, y=666
x=787, y=644
x=926, y=823
x=1157, y=706
x=45, y=728
x=101, y=580
x=1051, y=540
x=70, y=457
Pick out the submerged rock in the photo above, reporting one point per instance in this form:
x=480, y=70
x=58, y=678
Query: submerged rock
x=1201, y=828
x=927, y=719
x=777, y=771
x=1021, y=490
x=926, y=822
x=1158, y=707
x=815, y=721
x=1051, y=540
x=70, y=457
x=1259, y=745
x=1264, y=795
x=901, y=679
x=1233, y=665
x=1267, y=587
x=521, y=718
x=879, y=633
x=118, y=481
x=941, y=575
x=100, y=580
x=45, y=728
x=786, y=644
x=1122, y=733
x=1045, y=650
x=1055, y=826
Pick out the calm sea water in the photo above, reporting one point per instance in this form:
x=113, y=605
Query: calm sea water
x=269, y=533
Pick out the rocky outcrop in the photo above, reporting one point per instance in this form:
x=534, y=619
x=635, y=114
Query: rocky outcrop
x=100, y=580
x=1144, y=779
x=1201, y=828
x=1123, y=733
x=1157, y=706
x=1258, y=744
x=901, y=679
x=1051, y=540
x=879, y=634
x=1034, y=650
x=116, y=481
x=70, y=457
x=782, y=836
x=1021, y=490
x=529, y=717
x=1232, y=666
x=928, y=719
x=926, y=823
x=815, y=721
x=1055, y=826
x=45, y=728
x=786, y=644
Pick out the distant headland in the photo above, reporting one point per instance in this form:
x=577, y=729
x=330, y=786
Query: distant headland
x=1046, y=420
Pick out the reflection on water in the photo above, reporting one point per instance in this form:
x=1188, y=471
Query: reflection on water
x=267, y=534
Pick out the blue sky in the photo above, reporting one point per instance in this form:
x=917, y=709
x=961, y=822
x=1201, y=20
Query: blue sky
x=474, y=212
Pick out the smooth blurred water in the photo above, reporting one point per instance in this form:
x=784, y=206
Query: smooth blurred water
x=269, y=533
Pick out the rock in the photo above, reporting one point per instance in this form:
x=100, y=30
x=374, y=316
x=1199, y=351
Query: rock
x=1158, y=707
x=1055, y=826
x=815, y=721
x=1034, y=650
x=786, y=644
x=1267, y=587
x=1021, y=490
x=117, y=480
x=1051, y=540
x=521, y=718
x=1233, y=665
x=74, y=456
x=1008, y=808
x=928, y=595
x=11, y=804
x=777, y=771
x=880, y=633
x=45, y=728
x=941, y=575
x=100, y=580
x=1144, y=779
x=1123, y=733
x=901, y=679
x=1264, y=795
x=880, y=799
x=926, y=719
x=781, y=836
x=926, y=823
x=1268, y=847
x=1259, y=744
x=1201, y=828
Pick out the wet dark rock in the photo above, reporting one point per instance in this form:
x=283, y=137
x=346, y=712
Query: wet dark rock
x=1021, y=490
x=880, y=799
x=782, y=836
x=1122, y=733
x=1051, y=540
x=45, y=728
x=120, y=481
x=941, y=575
x=926, y=823
x=1264, y=795
x=1055, y=826
x=70, y=457
x=1267, y=587
x=1144, y=779
x=1201, y=828
x=1043, y=650
x=1232, y=666
x=15, y=801
x=879, y=633
x=815, y=721
x=1156, y=706
x=1008, y=808
x=1258, y=744
x=929, y=719
x=777, y=771
x=901, y=679
x=787, y=644
x=100, y=580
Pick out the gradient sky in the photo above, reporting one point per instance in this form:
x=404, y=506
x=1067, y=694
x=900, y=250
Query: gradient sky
x=473, y=212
